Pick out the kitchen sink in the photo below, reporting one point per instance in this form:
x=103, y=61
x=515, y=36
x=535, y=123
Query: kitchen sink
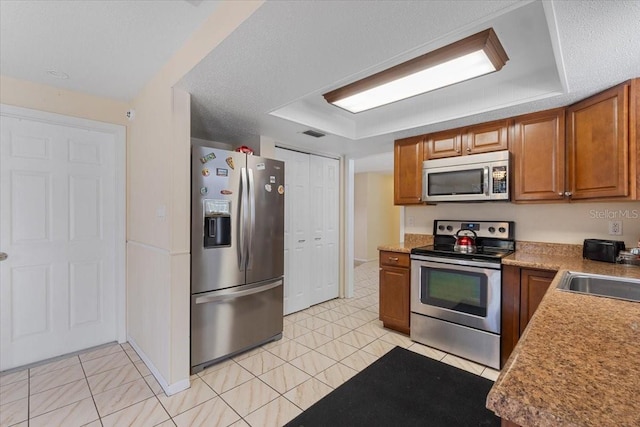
x=604, y=286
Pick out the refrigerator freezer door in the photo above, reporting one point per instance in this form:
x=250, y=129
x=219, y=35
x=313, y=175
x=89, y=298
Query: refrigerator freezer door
x=233, y=320
x=215, y=202
x=266, y=242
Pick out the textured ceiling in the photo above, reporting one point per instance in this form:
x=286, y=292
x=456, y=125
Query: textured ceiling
x=289, y=52
x=108, y=48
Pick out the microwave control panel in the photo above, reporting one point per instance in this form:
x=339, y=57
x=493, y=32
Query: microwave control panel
x=499, y=179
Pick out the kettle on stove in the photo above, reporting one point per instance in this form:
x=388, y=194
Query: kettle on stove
x=464, y=242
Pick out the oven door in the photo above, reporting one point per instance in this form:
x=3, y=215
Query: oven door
x=464, y=292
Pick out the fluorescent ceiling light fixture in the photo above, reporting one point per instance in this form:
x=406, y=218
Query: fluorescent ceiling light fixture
x=465, y=59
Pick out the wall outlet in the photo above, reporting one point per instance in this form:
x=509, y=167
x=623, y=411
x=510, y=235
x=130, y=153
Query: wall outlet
x=615, y=228
x=410, y=221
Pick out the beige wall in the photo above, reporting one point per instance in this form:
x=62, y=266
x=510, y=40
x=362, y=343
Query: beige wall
x=376, y=219
x=22, y=93
x=361, y=192
x=558, y=223
x=158, y=212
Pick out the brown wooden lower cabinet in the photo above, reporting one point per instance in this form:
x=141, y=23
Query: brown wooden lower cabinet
x=505, y=423
x=522, y=291
x=395, y=285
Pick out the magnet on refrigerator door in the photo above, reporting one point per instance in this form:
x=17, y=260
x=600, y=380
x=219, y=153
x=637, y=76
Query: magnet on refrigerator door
x=205, y=159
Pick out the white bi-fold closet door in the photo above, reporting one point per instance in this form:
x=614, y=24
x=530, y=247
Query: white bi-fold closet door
x=62, y=226
x=312, y=212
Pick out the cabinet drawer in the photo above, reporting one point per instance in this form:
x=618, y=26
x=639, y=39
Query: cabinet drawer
x=395, y=259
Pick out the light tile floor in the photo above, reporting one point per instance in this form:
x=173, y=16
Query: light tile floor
x=322, y=348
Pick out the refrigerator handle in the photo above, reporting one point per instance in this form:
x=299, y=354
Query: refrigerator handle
x=217, y=296
x=244, y=218
x=252, y=218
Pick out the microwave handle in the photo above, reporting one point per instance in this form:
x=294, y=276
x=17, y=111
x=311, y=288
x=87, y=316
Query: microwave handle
x=486, y=181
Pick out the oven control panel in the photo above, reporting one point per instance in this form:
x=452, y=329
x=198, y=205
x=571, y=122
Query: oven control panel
x=494, y=229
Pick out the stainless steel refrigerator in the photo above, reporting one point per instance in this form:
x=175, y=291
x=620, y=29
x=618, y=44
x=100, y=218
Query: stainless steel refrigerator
x=237, y=253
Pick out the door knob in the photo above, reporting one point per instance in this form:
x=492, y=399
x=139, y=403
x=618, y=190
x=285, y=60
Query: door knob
x=3, y=256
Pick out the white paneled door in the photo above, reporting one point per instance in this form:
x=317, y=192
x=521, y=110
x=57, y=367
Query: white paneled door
x=324, y=183
x=312, y=187
x=296, y=231
x=59, y=225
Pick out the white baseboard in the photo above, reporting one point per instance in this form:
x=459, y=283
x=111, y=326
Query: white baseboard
x=169, y=389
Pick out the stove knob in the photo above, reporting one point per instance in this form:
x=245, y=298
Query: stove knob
x=502, y=230
x=441, y=227
x=449, y=228
x=492, y=229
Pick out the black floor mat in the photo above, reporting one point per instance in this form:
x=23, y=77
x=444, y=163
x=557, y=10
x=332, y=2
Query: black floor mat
x=403, y=388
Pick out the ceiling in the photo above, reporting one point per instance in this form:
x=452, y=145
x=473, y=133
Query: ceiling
x=108, y=48
x=268, y=76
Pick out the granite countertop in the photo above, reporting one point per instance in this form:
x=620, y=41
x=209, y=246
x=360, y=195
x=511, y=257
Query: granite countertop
x=573, y=263
x=578, y=362
x=410, y=241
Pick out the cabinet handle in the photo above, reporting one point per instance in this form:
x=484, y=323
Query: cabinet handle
x=568, y=193
x=394, y=259
x=468, y=149
x=301, y=241
x=561, y=194
x=317, y=238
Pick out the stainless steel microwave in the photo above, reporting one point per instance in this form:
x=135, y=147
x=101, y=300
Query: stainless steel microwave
x=470, y=178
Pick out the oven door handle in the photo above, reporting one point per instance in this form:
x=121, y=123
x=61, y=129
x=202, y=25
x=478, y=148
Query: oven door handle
x=455, y=262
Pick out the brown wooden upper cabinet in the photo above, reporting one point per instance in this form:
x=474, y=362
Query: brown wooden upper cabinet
x=601, y=158
x=486, y=137
x=482, y=138
x=407, y=171
x=538, y=156
x=443, y=144
x=594, y=157
x=589, y=150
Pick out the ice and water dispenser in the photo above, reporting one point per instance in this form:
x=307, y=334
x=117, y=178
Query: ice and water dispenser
x=217, y=223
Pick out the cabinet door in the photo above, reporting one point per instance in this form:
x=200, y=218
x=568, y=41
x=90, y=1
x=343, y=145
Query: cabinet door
x=486, y=137
x=533, y=286
x=443, y=144
x=407, y=170
x=538, y=155
x=510, y=323
x=598, y=145
x=394, y=298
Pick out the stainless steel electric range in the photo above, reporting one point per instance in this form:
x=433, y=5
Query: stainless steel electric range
x=456, y=296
